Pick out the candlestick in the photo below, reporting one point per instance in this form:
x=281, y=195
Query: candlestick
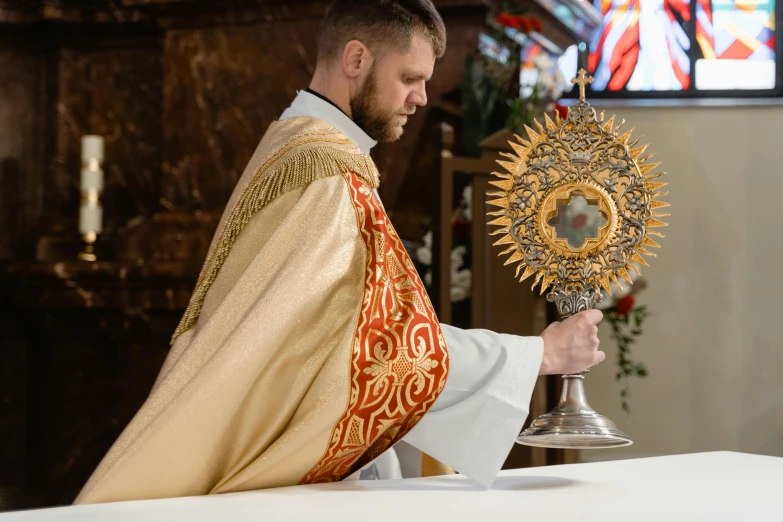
x=90, y=210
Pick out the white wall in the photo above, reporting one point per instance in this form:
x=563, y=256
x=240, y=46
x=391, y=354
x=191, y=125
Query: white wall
x=714, y=341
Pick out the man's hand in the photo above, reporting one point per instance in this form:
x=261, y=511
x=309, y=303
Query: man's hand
x=572, y=346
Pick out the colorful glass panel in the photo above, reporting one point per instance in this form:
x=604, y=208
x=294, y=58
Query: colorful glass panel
x=646, y=45
x=642, y=46
x=736, y=39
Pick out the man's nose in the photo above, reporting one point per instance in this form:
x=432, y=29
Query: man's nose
x=419, y=97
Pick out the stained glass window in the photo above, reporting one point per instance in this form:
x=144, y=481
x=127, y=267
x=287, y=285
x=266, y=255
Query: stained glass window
x=737, y=42
x=684, y=45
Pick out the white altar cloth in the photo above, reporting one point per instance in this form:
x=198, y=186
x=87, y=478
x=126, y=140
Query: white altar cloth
x=702, y=486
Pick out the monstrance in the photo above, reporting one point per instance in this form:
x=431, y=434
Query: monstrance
x=577, y=206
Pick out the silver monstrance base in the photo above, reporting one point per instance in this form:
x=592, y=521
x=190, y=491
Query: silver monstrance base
x=573, y=424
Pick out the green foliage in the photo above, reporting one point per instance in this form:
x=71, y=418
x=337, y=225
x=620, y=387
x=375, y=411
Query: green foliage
x=522, y=110
x=626, y=328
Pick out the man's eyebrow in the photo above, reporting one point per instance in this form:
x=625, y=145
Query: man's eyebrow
x=419, y=76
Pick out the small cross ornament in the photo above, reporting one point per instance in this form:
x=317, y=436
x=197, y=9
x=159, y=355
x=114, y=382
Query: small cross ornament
x=582, y=79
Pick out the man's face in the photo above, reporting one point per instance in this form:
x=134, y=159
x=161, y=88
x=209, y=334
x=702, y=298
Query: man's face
x=393, y=88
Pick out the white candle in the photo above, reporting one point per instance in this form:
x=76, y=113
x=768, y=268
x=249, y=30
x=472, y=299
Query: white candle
x=90, y=211
x=92, y=179
x=92, y=148
x=90, y=217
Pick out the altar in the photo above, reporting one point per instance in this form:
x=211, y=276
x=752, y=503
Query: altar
x=700, y=486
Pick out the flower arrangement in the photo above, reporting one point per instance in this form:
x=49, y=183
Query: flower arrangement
x=626, y=319
x=491, y=89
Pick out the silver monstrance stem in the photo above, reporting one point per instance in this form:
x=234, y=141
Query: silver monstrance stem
x=573, y=424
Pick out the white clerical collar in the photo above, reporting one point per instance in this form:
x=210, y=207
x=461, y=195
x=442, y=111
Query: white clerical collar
x=306, y=104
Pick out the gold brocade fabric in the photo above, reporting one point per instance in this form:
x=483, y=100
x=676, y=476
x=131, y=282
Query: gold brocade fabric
x=314, y=152
x=259, y=378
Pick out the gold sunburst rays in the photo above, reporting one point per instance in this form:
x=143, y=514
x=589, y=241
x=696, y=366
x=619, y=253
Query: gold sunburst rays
x=564, y=158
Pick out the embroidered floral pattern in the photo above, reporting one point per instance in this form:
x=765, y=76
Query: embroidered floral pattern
x=399, y=360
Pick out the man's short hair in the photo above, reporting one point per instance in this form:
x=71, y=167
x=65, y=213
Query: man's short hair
x=381, y=25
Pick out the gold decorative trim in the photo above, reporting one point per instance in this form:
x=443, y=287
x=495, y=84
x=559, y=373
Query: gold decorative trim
x=399, y=359
x=302, y=160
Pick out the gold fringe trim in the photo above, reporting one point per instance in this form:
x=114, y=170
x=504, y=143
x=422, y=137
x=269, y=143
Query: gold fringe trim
x=297, y=164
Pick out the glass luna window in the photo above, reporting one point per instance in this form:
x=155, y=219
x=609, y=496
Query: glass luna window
x=684, y=46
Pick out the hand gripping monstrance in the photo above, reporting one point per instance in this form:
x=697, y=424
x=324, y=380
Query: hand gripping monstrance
x=576, y=209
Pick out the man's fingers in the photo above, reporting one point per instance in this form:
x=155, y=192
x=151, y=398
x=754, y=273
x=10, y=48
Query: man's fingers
x=599, y=357
x=592, y=316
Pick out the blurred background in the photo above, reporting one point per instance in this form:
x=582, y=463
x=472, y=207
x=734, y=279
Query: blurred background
x=124, y=125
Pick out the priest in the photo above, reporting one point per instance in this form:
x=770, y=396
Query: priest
x=310, y=347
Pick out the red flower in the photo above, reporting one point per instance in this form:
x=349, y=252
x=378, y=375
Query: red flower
x=562, y=111
x=625, y=305
x=503, y=19
x=518, y=22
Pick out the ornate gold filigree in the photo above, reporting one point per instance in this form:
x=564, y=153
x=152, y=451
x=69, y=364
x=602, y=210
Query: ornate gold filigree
x=588, y=156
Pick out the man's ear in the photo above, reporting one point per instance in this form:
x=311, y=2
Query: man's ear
x=356, y=58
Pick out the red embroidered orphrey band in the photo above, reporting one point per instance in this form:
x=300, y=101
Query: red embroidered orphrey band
x=399, y=361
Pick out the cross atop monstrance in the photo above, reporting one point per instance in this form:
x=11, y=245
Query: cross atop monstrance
x=582, y=79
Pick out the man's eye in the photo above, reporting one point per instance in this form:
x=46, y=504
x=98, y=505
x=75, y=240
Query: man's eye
x=407, y=79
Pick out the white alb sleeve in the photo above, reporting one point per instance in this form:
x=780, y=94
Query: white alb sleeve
x=475, y=421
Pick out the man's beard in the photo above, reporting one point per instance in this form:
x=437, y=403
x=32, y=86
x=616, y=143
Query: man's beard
x=369, y=115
